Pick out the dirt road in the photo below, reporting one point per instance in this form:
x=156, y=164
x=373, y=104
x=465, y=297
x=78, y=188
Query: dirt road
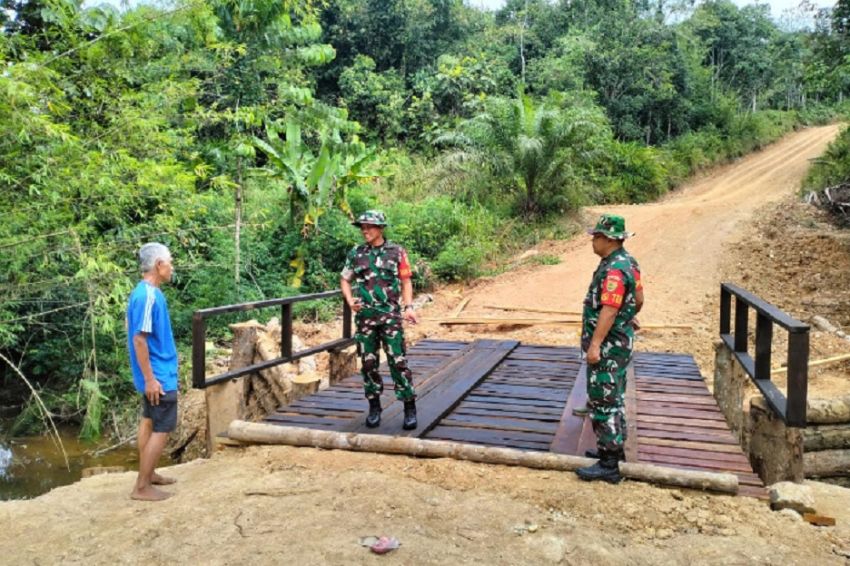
x=282, y=505
x=679, y=241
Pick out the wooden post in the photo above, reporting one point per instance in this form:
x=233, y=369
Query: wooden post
x=764, y=342
x=725, y=311
x=199, y=351
x=286, y=330
x=798, y=378
x=741, y=328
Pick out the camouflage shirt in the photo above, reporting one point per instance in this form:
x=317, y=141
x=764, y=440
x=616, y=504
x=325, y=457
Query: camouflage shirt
x=375, y=274
x=615, y=283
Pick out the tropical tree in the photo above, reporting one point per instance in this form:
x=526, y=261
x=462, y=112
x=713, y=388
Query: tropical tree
x=315, y=181
x=535, y=148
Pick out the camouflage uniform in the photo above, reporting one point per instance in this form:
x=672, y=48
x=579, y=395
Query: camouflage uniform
x=615, y=283
x=375, y=274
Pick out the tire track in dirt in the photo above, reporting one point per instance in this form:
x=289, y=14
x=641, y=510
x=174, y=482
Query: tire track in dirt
x=680, y=239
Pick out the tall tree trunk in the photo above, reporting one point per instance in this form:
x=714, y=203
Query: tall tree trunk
x=522, y=40
x=238, y=232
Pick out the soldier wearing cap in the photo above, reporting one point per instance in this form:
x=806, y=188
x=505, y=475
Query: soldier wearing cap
x=613, y=299
x=375, y=280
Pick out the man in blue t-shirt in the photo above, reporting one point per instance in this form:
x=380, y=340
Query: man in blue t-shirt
x=153, y=360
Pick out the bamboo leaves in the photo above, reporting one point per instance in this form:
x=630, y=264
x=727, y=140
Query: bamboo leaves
x=315, y=181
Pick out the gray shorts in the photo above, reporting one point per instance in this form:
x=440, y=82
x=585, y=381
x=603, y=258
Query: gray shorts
x=164, y=415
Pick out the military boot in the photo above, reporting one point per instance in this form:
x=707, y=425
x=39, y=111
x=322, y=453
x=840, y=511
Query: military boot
x=374, y=418
x=594, y=453
x=605, y=469
x=409, y=415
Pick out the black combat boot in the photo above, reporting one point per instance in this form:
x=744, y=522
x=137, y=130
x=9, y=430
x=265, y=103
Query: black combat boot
x=594, y=453
x=374, y=418
x=605, y=469
x=409, y=415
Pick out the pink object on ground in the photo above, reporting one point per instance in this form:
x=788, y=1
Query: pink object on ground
x=384, y=545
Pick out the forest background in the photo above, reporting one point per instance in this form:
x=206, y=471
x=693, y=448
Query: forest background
x=245, y=134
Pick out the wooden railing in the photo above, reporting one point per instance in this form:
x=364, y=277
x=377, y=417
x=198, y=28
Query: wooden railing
x=792, y=409
x=199, y=377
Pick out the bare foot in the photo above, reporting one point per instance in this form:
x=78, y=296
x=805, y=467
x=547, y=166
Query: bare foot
x=162, y=480
x=149, y=493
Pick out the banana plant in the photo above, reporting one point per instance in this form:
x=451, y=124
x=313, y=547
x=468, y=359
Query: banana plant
x=316, y=182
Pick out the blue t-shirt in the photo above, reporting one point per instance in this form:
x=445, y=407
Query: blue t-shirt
x=147, y=313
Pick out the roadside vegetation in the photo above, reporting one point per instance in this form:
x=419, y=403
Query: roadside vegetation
x=245, y=135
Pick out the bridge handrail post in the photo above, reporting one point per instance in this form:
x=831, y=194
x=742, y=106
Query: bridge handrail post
x=791, y=408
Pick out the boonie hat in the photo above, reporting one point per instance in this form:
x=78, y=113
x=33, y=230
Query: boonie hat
x=611, y=226
x=374, y=217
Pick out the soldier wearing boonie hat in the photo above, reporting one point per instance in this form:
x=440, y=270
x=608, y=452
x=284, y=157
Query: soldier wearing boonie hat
x=613, y=299
x=375, y=280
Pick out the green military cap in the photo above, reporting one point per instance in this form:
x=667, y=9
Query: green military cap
x=611, y=226
x=373, y=217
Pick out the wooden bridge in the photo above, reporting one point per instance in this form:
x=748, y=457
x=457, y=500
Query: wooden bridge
x=503, y=393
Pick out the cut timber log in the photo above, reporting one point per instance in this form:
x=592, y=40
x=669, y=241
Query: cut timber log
x=826, y=437
x=816, y=363
x=244, y=338
x=543, y=321
x=489, y=320
x=341, y=364
x=828, y=411
x=297, y=436
x=279, y=377
x=227, y=401
x=692, y=479
x=459, y=308
x=826, y=463
x=270, y=388
x=530, y=309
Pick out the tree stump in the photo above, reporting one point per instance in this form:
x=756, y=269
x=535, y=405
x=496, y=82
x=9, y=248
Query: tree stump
x=342, y=364
x=305, y=384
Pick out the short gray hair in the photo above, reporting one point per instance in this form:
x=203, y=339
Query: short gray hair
x=149, y=253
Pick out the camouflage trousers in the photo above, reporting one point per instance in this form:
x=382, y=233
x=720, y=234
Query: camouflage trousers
x=606, y=399
x=386, y=329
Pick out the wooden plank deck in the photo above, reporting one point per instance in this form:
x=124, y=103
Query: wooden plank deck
x=502, y=393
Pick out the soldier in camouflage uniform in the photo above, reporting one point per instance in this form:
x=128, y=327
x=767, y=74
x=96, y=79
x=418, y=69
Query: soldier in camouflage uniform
x=613, y=299
x=374, y=281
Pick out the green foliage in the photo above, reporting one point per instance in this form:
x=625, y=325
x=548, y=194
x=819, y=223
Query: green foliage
x=314, y=182
x=545, y=259
x=833, y=167
x=817, y=115
x=119, y=127
x=637, y=175
x=534, y=148
x=375, y=100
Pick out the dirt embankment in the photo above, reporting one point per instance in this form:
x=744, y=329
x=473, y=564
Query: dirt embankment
x=271, y=505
